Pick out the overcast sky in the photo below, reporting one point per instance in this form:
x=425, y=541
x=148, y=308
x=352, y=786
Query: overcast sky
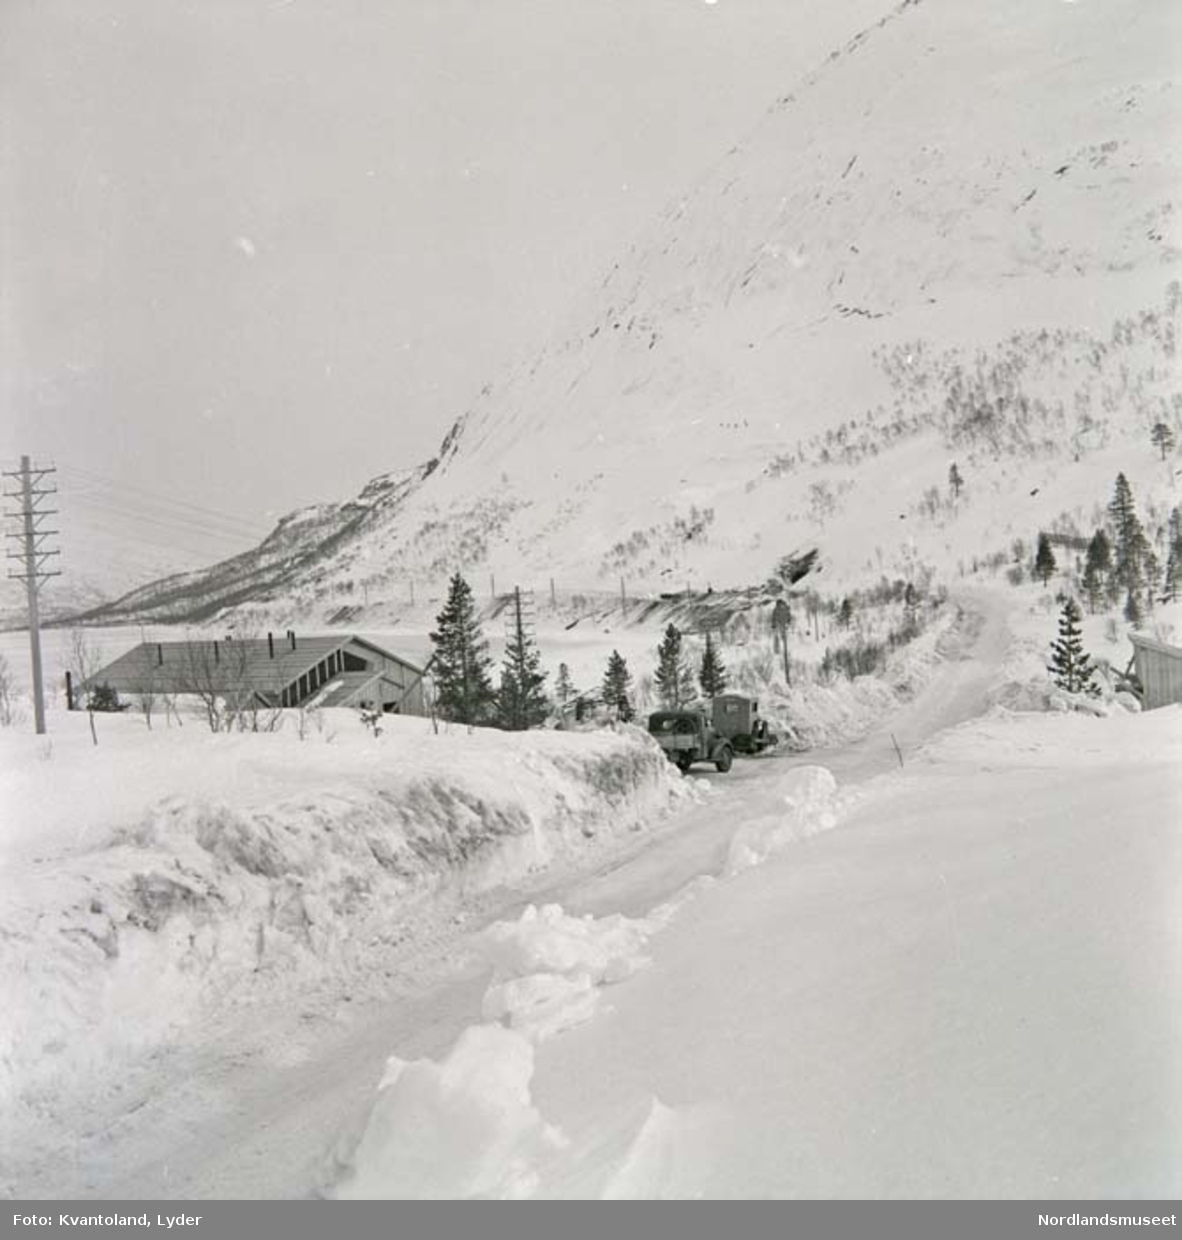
x=256, y=251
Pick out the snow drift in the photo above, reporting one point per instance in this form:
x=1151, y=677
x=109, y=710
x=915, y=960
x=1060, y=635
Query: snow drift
x=272, y=864
x=810, y=806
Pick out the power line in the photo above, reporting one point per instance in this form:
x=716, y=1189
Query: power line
x=161, y=498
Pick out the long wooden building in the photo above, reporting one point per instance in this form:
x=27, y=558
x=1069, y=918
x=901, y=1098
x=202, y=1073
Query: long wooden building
x=337, y=670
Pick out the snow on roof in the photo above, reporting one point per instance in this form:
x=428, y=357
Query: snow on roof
x=176, y=666
x=1149, y=643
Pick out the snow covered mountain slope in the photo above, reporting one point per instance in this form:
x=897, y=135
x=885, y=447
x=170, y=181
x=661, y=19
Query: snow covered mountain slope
x=957, y=239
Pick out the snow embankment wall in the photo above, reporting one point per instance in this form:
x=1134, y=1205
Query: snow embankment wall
x=156, y=880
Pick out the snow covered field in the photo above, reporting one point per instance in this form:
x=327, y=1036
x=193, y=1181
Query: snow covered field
x=842, y=979
x=972, y=988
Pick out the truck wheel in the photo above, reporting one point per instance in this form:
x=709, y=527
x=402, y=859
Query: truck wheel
x=725, y=758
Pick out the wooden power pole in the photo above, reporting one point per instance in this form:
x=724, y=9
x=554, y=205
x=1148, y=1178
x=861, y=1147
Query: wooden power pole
x=32, y=558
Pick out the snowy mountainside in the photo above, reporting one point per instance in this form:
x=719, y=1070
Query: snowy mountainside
x=309, y=536
x=957, y=239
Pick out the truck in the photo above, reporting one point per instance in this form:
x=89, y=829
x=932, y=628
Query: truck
x=688, y=736
x=736, y=718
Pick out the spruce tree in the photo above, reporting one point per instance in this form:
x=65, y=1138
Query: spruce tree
x=1070, y=666
x=1172, y=581
x=845, y=613
x=955, y=481
x=712, y=674
x=617, y=687
x=461, y=667
x=1097, y=568
x=1148, y=569
x=521, y=700
x=674, y=679
x=1044, y=559
x=1125, y=527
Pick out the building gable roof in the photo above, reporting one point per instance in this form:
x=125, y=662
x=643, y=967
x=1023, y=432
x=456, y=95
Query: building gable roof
x=183, y=666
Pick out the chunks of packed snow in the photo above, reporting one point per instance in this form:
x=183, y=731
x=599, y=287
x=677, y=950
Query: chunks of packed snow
x=464, y=1128
x=809, y=795
x=548, y=965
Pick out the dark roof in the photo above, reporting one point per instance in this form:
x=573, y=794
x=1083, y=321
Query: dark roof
x=344, y=685
x=224, y=665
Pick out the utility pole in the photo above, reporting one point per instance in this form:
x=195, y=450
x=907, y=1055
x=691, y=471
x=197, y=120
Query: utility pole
x=781, y=618
x=32, y=558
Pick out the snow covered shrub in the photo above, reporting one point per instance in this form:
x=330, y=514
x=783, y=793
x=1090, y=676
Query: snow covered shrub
x=7, y=706
x=104, y=699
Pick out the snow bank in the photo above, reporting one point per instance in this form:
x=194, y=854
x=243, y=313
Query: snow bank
x=650, y=1165
x=1130, y=739
x=466, y=1127
x=166, y=875
x=810, y=806
x=463, y=1128
x=816, y=715
x=548, y=966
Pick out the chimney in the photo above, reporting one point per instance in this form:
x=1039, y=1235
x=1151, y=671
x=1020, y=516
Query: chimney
x=291, y=637
x=271, y=644
x=159, y=654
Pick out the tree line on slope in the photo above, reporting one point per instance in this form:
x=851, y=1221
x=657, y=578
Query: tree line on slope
x=462, y=670
x=1121, y=565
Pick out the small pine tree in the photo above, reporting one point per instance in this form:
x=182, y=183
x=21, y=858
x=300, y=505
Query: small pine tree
x=1163, y=438
x=1070, y=666
x=104, y=698
x=1172, y=581
x=521, y=700
x=617, y=687
x=1097, y=569
x=955, y=481
x=845, y=613
x=461, y=667
x=674, y=678
x=564, y=687
x=1125, y=528
x=1148, y=570
x=712, y=674
x=1044, y=560
x=910, y=610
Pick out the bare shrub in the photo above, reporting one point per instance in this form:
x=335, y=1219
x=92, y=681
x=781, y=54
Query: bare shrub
x=8, y=713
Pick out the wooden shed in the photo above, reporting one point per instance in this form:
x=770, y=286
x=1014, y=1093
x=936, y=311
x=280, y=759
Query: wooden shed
x=1159, y=669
